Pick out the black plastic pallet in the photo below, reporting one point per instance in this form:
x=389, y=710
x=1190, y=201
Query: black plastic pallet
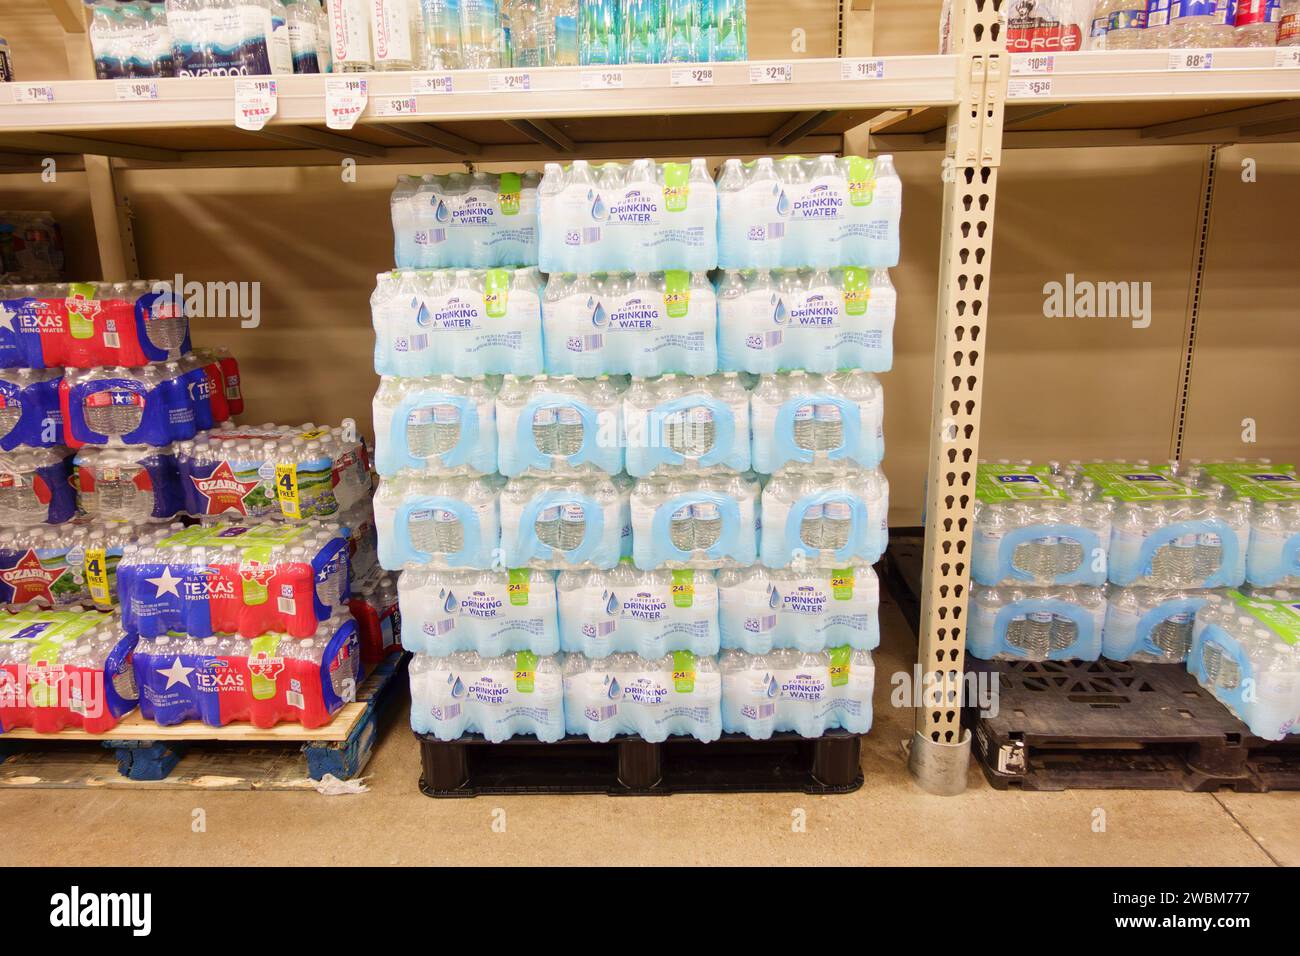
x=1067, y=725
x=901, y=571
x=630, y=766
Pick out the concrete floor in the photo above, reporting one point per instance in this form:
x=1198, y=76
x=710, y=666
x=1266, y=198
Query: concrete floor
x=888, y=821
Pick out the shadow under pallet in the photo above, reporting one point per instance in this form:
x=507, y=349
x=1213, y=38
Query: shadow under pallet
x=629, y=766
x=1085, y=725
x=192, y=755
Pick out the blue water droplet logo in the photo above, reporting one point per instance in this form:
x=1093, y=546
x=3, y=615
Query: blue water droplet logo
x=773, y=688
x=783, y=204
x=780, y=314
x=599, y=317
x=599, y=211
x=773, y=597
x=458, y=688
x=611, y=606
x=423, y=318
x=615, y=690
x=441, y=213
x=451, y=604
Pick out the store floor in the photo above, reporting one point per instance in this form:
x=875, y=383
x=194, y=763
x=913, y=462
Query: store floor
x=888, y=821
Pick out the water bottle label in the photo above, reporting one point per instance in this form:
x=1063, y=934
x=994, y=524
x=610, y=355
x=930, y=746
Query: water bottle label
x=677, y=293
x=705, y=511
x=684, y=672
x=822, y=200
x=517, y=587
x=496, y=292
x=509, y=191
x=1258, y=481
x=842, y=584
x=815, y=309
x=1178, y=9
x=997, y=483
x=683, y=588
x=677, y=186
x=837, y=510
x=802, y=685
x=861, y=180
x=1127, y=20
x=857, y=290
x=525, y=672
x=840, y=665
x=637, y=205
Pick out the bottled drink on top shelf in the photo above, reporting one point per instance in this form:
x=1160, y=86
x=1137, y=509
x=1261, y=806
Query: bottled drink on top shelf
x=499, y=697
x=808, y=609
x=1255, y=22
x=440, y=425
x=622, y=323
x=487, y=612
x=1031, y=530
x=708, y=521
x=438, y=522
x=564, y=522
x=1009, y=623
x=807, y=692
x=808, y=418
x=731, y=40
x=396, y=29
x=1119, y=25
x=442, y=39
x=600, y=32
x=1244, y=649
x=829, y=518
x=1146, y=624
x=1288, y=24
x=679, y=694
x=308, y=42
x=1198, y=24
x=677, y=424
x=649, y=613
x=349, y=26
x=643, y=31
x=559, y=425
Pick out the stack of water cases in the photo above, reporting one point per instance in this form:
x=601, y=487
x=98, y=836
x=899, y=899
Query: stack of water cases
x=1143, y=563
x=574, y=488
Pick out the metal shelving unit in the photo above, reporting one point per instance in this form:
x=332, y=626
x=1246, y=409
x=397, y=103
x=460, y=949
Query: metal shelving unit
x=972, y=104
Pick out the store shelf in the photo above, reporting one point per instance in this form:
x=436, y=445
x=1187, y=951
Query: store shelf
x=638, y=110
x=1133, y=97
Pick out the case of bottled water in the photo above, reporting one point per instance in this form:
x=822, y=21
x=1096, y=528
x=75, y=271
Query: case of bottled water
x=458, y=322
x=1036, y=624
x=648, y=613
x=819, y=320
x=805, y=418
x=36, y=487
x=1272, y=493
x=91, y=324
x=64, y=669
x=1244, y=650
x=499, y=697
x=294, y=472
x=64, y=566
x=441, y=522
x=374, y=606
x=565, y=522
x=128, y=484
x=439, y=424
x=1030, y=530
x=643, y=217
x=645, y=323
x=29, y=408
x=559, y=425
x=675, y=424
x=264, y=680
x=1145, y=624
x=807, y=609
x=807, y=692
x=708, y=521
x=829, y=518
x=679, y=694
x=233, y=579
x=465, y=220
x=797, y=211
x=487, y=612
x=1164, y=532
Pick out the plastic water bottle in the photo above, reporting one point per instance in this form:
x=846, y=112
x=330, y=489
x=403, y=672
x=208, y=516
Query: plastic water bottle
x=1145, y=624
x=480, y=34
x=600, y=32
x=731, y=42
x=709, y=521
x=681, y=31
x=442, y=34
x=302, y=20
x=500, y=697
x=1199, y=24
x=1118, y=25
x=1037, y=624
x=1255, y=22
x=563, y=522
x=643, y=31
x=395, y=34
x=679, y=694
x=1288, y=24
x=349, y=24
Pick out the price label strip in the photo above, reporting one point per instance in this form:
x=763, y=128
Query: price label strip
x=345, y=101
x=1032, y=63
x=33, y=93
x=136, y=90
x=394, y=106
x=510, y=82
x=255, y=103
x=422, y=85
x=1180, y=60
x=862, y=70
x=1027, y=89
x=771, y=73
x=1287, y=57
x=604, y=80
x=693, y=76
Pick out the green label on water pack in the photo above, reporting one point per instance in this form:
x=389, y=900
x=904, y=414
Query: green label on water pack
x=857, y=289
x=1125, y=481
x=496, y=292
x=683, y=672
x=241, y=536
x=265, y=665
x=840, y=664
x=1258, y=480
x=862, y=180
x=82, y=306
x=997, y=483
x=683, y=588
x=525, y=672
x=842, y=584
x=508, y=193
x=1280, y=617
x=677, y=186
x=517, y=586
x=677, y=293
x=255, y=574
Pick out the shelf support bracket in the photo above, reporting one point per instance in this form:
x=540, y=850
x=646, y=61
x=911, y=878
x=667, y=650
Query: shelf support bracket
x=545, y=133
x=940, y=748
x=319, y=139
x=800, y=125
x=426, y=134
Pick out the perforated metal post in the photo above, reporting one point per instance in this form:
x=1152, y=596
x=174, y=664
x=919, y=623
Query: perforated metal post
x=940, y=751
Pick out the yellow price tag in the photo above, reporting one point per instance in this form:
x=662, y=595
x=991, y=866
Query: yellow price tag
x=97, y=576
x=286, y=489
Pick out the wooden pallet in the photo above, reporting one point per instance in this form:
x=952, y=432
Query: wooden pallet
x=140, y=753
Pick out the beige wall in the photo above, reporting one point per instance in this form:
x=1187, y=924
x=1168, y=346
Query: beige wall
x=1054, y=388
